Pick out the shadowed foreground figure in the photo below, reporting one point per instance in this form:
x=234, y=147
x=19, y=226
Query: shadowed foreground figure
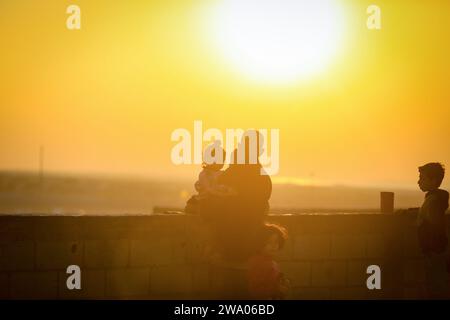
x=235, y=219
x=432, y=230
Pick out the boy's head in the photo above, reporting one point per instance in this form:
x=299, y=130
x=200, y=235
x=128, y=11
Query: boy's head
x=431, y=176
x=273, y=238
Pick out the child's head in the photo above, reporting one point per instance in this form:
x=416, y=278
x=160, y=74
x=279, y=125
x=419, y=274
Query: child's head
x=273, y=238
x=216, y=164
x=431, y=176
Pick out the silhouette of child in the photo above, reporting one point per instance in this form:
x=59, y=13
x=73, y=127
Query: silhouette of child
x=265, y=280
x=208, y=184
x=432, y=229
x=208, y=179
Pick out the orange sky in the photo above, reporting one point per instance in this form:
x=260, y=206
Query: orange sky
x=105, y=99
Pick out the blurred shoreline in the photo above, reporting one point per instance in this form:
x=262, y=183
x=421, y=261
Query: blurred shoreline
x=26, y=193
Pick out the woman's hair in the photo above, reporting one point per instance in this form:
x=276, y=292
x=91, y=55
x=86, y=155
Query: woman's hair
x=270, y=229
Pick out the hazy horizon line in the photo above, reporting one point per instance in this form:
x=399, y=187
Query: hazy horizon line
x=276, y=180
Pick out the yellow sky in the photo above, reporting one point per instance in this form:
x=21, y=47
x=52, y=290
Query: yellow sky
x=105, y=99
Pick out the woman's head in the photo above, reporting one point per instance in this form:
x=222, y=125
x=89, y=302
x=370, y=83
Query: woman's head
x=250, y=148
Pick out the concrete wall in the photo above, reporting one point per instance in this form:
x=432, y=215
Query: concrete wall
x=163, y=256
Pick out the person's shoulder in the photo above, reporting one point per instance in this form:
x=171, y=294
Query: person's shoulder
x=442, y=194
x=438, y=196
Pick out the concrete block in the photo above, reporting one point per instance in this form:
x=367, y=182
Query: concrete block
x=414, y=293
x=17, y=255
x=307, y=247
x=158, y=226
x=92, y=285
x=129, y=282
x=4, y=286
x=229, y=283
x=328, y=273
x=303, y=224
x=411, y=248
x=201, y=278
x=349, y=293
x=171, y=279
x=286, y=253
x=414, y=271
x=150, y=253
x=345, y=246
x=58, y=255
x=309, y=294
x=376, y=246
x=298, y=273
x=16, y=228
x=180, y=250
x=357, y=273
x=59, y=228
x=195, y=252
x=34, y=285
x=106, y=228
x=106, y=253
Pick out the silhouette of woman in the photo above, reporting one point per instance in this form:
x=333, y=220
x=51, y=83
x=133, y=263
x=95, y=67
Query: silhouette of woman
x=237, y=218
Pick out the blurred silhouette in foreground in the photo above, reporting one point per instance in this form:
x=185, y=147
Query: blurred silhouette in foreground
x=234, y=203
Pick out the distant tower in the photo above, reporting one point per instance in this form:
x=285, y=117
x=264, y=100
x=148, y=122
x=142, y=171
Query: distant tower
x=41, y=164
x=312, y=176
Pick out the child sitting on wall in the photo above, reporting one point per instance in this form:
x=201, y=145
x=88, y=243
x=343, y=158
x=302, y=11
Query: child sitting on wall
x=265, y=280
x=207, y=184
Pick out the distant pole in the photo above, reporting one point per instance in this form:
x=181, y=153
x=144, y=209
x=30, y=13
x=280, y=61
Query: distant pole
x=41, y=164
x=386, y=202
x=312, y=184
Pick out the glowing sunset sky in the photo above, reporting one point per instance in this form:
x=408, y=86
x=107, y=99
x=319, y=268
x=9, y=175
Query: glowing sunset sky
x=105, y=99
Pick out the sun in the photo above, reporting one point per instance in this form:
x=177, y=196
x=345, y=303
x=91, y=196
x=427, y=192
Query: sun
x=277, y=41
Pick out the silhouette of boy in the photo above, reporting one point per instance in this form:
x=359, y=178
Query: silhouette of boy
x=432, y=229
